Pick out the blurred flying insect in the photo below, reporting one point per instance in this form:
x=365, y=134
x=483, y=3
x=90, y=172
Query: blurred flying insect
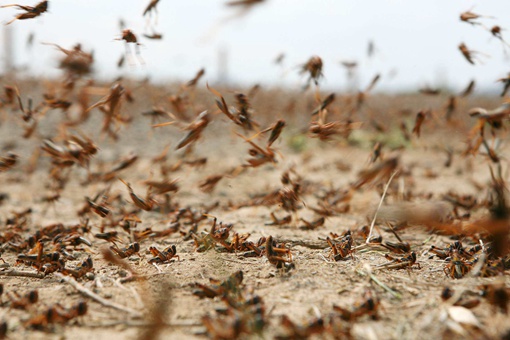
x=151, y=8
x=325, y=131
x=153, y=36
x=130, y=38
x=467, y=53
x=276, y=130
x=279, y=59
x=451, y=107
x=30, y=12
x=241, y=115
x=7, y=162
x=420, y=118
x=469, y=89
x=324, y=104
x=146, y=203
x=361, y=95
x=470, y=17
x=111, y=236
x=377, y=173
x=493, y=117
x=429, y=91
x=163, y=187
x=313, y=67
x=259, y=155
x=100, y=209
x=195, y=129
x=210, y=183
x=506, y=83
x=496, y=32
x=22, y=301
x=110, y=105
x=197, y=77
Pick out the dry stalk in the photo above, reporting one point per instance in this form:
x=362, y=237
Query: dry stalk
x=88, y=293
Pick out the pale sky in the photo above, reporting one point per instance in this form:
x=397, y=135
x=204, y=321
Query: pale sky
x=417, y=41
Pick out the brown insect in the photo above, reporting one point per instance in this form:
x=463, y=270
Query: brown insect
x=163, y=187
x=153, y=36
x=351, y=67
x=85, y=267
x=210, y=183
x=198, y=76
x=23, y=302
x=146, y=203
x=467, y=53
x=420, y=118
x=8, y=162
x=368, y=306
x=324, y=104
x=219, y=288
x=259, y=155
x=312, y=225
x=314, y=69
x=469, y=17
x=405, y=262
x=361, y=96
x=398, y=248
x=3, y=329
x=111, y=236
x=430, y=91
x=498, y=295
x=457, y=268
x=325, y=131
x=131, y=249
x=279, y=221
x=229, y=327
x=494, y=117
x=241, y=115
x=156, y=112
x=506, y=84
x=220, y=232
x=451, y=107
x=377, y=173
x=122, y=164
x=151, y=7
x=37, y=257
x=66, y=314
x=469, y=89
x=29, y=112
x=276, y=130
x=110, y=105
x=274, y=255
x=340, y=249
x=30, y=12
x=195, y=129
x=448, y=293
x=295, y=331
x=163, y=256
x=57, y=314
x=91, y=205
x=76, y=62
x=130, y=38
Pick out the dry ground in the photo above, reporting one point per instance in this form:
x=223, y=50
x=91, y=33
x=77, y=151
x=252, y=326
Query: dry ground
x=410, y=303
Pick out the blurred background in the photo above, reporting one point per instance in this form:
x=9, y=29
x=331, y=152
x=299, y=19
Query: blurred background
x=412, y=44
